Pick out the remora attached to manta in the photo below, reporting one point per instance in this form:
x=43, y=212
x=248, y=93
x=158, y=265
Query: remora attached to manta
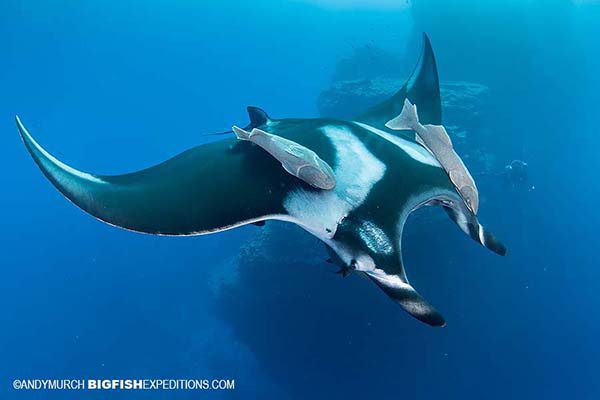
x=351, y=184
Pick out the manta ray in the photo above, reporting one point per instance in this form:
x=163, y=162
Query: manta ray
x=350, y=183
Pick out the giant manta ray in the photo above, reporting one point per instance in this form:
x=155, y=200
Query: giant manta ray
x=352, y=184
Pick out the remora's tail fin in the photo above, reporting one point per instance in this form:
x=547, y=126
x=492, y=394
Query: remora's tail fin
x=408, y=118
x=404, y=294
x=241, y=134
x=422, y=89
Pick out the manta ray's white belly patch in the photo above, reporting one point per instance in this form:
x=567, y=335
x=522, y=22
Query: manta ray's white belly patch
x=414, y=150
x=356, y=170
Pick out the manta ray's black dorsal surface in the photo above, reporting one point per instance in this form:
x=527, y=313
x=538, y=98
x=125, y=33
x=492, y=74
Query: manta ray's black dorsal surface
x=379, y=178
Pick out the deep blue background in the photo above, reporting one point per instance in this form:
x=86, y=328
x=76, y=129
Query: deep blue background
x=111, y=87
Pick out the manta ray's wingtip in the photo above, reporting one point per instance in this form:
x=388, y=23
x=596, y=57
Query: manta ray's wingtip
x=20, y=126
x=427, y=49
x=25, y=136
x=28, y=140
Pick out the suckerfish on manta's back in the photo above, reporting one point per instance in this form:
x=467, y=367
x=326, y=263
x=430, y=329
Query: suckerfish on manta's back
x=352, y=184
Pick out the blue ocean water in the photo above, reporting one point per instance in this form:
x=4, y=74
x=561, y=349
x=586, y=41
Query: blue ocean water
x=112, y=87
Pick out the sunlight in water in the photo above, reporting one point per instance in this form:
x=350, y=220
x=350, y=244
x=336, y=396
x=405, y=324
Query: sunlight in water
x=371, y=4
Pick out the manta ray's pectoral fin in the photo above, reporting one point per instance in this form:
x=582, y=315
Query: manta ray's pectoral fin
x=422, y=89
x=470, y=225
x=399, y=290
x=187, y=195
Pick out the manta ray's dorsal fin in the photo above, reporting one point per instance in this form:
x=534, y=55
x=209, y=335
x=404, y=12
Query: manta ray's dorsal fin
x=296, y=159
x=258, y=117
x=422, y=88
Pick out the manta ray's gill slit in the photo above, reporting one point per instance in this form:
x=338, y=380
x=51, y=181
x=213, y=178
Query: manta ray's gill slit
x=414, y=150
x=356, y=170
